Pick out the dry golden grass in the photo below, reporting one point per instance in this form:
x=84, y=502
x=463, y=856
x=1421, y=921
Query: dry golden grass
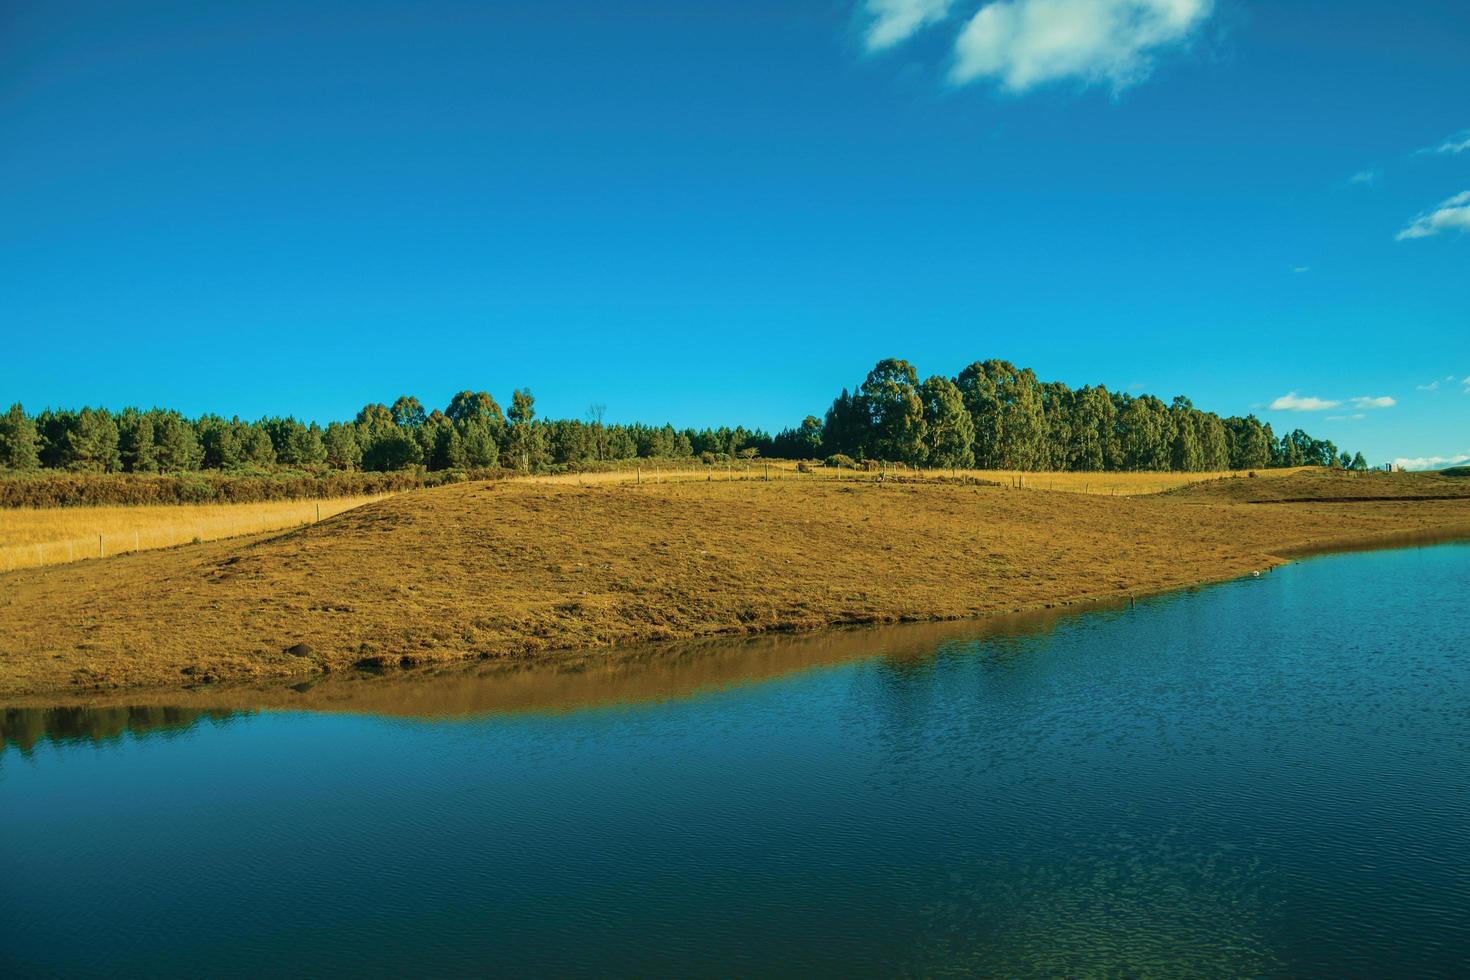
x=51, y=536
x=1311, y=485
x=1110, y=484
x=513, y=570
x=1105, y=484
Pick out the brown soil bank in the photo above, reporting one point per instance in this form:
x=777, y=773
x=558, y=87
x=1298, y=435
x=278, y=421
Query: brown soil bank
x=510, y=570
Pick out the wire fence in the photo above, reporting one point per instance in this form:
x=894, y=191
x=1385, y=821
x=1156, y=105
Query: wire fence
x=1118, y=484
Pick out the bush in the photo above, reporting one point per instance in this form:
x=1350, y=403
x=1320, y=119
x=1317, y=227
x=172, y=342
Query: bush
x=61, y=489
x=838, y=461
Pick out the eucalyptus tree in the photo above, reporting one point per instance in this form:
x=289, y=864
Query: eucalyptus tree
x=524, y=450
x=1250, y=443
x=477, y=406
x=1094, y=419
x=1147, y=433
x=408, y=412
x=1185, y=452
x=1059, y=409
x=949, y=432
x=895, y=413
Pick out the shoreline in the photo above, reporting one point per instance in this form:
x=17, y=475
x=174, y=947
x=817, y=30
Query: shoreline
x=577, y=678
x=960, y=592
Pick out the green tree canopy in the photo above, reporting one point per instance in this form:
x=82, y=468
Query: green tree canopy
x=894, y=411
x=19, y=441
x=949, y=432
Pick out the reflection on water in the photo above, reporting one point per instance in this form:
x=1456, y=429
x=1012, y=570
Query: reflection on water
x=1264, y=778
x=24, y=727
x=569, y=681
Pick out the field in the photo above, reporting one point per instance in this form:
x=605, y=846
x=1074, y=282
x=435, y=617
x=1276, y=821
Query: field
x=512, y=571
x=51, y=536
x=1313, y=485
x=32, y=537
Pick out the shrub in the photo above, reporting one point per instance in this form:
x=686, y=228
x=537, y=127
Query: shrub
x=841, y=462
x=63, y=489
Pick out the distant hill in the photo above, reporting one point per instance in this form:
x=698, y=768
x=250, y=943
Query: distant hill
x=1326, y=486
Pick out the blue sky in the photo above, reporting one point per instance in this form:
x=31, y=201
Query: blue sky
x=724, y=212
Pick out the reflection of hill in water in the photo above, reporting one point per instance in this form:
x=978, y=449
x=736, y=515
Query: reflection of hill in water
x=569, y=681
x=26, y=727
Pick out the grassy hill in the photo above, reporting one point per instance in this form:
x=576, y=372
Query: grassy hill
x=1320, y=485
x=508, y=570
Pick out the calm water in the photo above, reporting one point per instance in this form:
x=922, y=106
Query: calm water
x=1268, y=777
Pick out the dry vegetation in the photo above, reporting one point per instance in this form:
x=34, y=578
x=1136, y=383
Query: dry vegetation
x=1116, y=484
x=1317, y=485
x=31, y=537
x=54, y=535
x=514, y=570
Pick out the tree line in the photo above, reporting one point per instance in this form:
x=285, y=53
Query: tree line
x=992, y=415
x=471, y=433
x=996, y=416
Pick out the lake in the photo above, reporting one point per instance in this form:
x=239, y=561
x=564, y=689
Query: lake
x=1265, y=777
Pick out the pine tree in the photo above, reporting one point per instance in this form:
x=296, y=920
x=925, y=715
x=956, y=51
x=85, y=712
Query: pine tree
x=19, y=440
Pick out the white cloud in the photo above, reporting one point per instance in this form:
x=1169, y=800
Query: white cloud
x=1432, y=386
x=1458, y=143
x=1451, y=213
x=1366, y=177
x=1346, y=418
x=1430, y=462
x=894, y=21
x=1299, y=269
x=1363, y=401
x=1025, y=43
x=1296, y=403
x=1292, y=403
